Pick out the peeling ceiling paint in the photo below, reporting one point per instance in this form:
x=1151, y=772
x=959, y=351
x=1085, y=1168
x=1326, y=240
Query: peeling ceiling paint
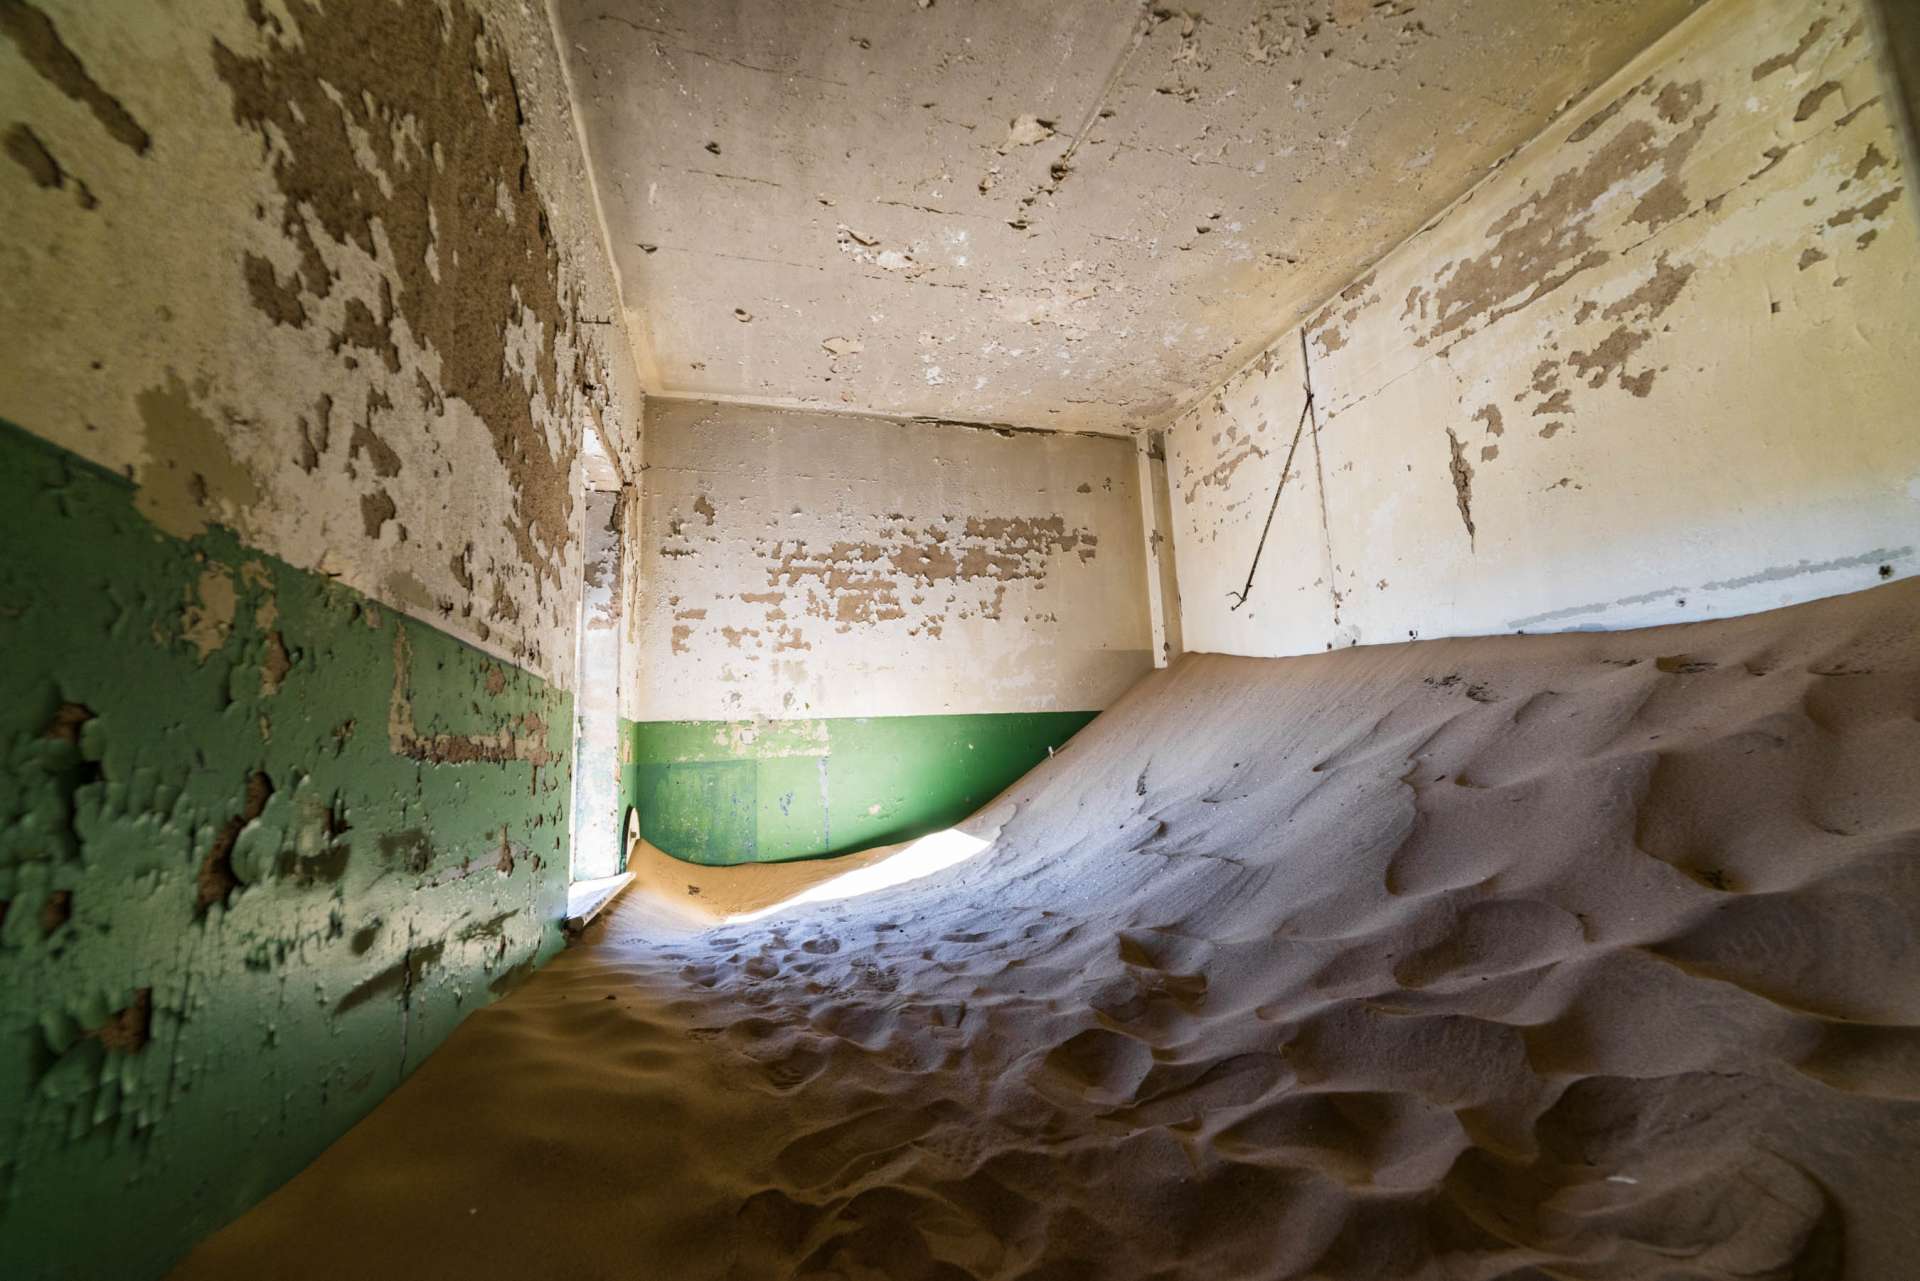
x=1074, y=215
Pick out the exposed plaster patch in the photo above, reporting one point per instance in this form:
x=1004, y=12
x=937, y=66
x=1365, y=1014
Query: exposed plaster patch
x=26, y=149
x=1546, y=239
x=33, y=33
x=401, y=142
x=1462, y=472
x=206, y=618
x=1791, y=58
x=276, y=299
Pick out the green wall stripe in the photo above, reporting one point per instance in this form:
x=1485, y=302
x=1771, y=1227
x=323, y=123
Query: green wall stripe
x=236, y=908
x=742, y=792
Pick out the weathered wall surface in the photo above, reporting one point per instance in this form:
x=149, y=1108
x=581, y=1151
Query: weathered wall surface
x=820, y=570
x=263, y=842
x=1657, y=368
x=306, y=318
x=1052, y=213
x=327, y=275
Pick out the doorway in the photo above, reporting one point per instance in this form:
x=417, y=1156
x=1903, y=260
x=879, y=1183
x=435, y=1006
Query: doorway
x=596, y=691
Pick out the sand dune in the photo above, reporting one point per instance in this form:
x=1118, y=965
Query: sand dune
x=1586, y=956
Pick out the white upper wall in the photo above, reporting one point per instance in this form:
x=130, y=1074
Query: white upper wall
x=826, y=565
x=1660, y=367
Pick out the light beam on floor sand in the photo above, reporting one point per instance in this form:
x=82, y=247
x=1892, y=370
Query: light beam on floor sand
x=934, y=852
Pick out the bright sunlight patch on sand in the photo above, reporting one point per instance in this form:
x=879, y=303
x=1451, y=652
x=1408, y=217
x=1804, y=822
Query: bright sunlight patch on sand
x=934, y=852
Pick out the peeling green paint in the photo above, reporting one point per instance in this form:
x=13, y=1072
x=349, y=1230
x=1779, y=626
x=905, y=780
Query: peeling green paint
x=263, y=844
x=769, y=791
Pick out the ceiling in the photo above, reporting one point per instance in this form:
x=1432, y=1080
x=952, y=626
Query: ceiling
x=1072, y=214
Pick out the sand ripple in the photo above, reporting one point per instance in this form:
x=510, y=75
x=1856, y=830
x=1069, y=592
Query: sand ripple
x=1585, y=956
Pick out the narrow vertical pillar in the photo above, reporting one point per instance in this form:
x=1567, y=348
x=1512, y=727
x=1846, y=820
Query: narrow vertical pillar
x=1163, y=597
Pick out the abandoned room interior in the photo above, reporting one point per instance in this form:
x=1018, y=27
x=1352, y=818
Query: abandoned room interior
x=960, y=640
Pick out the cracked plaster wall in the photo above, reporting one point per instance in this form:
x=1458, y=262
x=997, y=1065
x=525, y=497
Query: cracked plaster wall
x=1052, y=213
x=1656, y=368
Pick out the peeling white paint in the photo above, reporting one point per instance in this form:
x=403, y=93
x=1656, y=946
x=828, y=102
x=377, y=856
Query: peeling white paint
x=1698, y=410
x=816, y=566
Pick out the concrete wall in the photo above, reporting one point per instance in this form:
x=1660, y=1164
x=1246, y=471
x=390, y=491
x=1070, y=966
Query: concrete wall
x=811, y=571
x=307, y=316
x=1658, y=367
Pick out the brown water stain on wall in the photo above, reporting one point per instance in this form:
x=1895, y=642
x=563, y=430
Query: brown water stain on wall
x=1645, y=304
x=316, y=436
x=1814, y=97
x=366, y=442
x=26, y=150
x=206, y=617
x=275, y=665
x=1322, y=327
x=376, y=509
x=408, y=116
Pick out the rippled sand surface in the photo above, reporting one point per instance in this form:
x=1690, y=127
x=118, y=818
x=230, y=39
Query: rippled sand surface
x=1577, y=956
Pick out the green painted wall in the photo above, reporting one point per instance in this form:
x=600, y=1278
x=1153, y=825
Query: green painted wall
x=743, y=791
x=263, y=843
